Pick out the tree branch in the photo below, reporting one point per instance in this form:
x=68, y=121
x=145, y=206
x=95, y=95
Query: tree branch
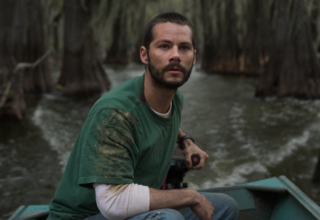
x=32, y=65
x=21, y=66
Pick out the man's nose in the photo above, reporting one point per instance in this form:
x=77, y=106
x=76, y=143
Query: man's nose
x=175, y=56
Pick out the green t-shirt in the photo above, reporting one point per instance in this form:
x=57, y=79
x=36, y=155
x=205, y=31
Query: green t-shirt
x=122, y=141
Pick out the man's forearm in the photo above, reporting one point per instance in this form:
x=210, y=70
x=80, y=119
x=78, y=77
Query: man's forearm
x=181, y=198
x=186, y=142
x=174, y=199
x=181, y=133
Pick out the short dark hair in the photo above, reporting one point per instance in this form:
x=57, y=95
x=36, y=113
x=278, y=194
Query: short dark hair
x=172, y=17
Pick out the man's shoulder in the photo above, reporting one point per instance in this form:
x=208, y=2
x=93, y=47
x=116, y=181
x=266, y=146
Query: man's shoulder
x=124, y=96
x=178, y=98
x=179, y=94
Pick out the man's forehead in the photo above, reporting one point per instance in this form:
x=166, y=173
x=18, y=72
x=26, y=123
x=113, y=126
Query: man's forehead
x=169, y=29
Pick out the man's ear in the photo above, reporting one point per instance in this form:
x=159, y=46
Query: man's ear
x=194, y=57
x=144, y=55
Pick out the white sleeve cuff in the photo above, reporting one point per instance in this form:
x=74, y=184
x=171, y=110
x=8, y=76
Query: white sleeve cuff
x=117, y=202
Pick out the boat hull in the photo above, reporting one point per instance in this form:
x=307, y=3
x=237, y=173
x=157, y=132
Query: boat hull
x=268, y=199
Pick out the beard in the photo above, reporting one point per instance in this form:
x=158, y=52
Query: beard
x=157, y=75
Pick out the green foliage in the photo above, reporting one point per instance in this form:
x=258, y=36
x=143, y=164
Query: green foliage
x=9, y=94
x=60, y=87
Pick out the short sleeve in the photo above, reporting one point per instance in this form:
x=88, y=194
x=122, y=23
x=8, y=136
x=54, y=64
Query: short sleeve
x=108, y=148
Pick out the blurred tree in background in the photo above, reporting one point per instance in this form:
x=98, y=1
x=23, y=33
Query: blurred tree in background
x=277, y=40
x=293, y=68
x=27, y=44
x=236, y=36
x=22, y=41
x=119, y=50
x=81, y=73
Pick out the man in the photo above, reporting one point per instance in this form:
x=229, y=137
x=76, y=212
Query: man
x=124, y=149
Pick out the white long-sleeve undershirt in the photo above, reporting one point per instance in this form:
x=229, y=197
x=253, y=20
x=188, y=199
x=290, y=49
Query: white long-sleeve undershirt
x=118, y=202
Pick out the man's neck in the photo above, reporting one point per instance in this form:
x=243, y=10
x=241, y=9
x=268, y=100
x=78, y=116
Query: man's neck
x=158, y=98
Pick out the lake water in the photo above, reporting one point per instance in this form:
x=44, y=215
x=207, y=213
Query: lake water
x=246, y=138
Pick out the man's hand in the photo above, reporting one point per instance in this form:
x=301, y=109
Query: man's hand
x=203, y=209
x=191, y=148
x=181, y=198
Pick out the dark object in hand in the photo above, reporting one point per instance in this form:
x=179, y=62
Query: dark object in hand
x=177, y=172
x=195, y=158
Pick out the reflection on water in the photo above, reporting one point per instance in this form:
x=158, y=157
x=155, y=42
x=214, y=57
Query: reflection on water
x=247, y=138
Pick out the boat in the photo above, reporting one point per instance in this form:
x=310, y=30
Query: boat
x=268, y=199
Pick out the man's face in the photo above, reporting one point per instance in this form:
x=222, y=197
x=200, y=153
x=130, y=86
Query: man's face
x=171, y=55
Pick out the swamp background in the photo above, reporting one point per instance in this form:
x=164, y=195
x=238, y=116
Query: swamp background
x=251, y=102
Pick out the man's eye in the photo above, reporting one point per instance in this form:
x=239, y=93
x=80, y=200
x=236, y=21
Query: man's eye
x=164, y=46
x=184, y=48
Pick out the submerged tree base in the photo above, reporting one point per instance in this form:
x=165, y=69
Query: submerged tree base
x=316, y=175
x=84, y=89
x=13, y=110
x=293, y=69
x=82, y=73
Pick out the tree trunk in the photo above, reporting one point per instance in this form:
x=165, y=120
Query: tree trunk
x=55, y=31
x=316, y=175
x=27, y=43
x=12, y=103
x=140, y=30
x=21, y=40
x=11, y=99
x=235, y=34
x=194, y=7
x=82, y=73
x=315, y=24
x=221, y=48
x=209, y=55
x=293, y=69
x=118, y=52
x=254, y=53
